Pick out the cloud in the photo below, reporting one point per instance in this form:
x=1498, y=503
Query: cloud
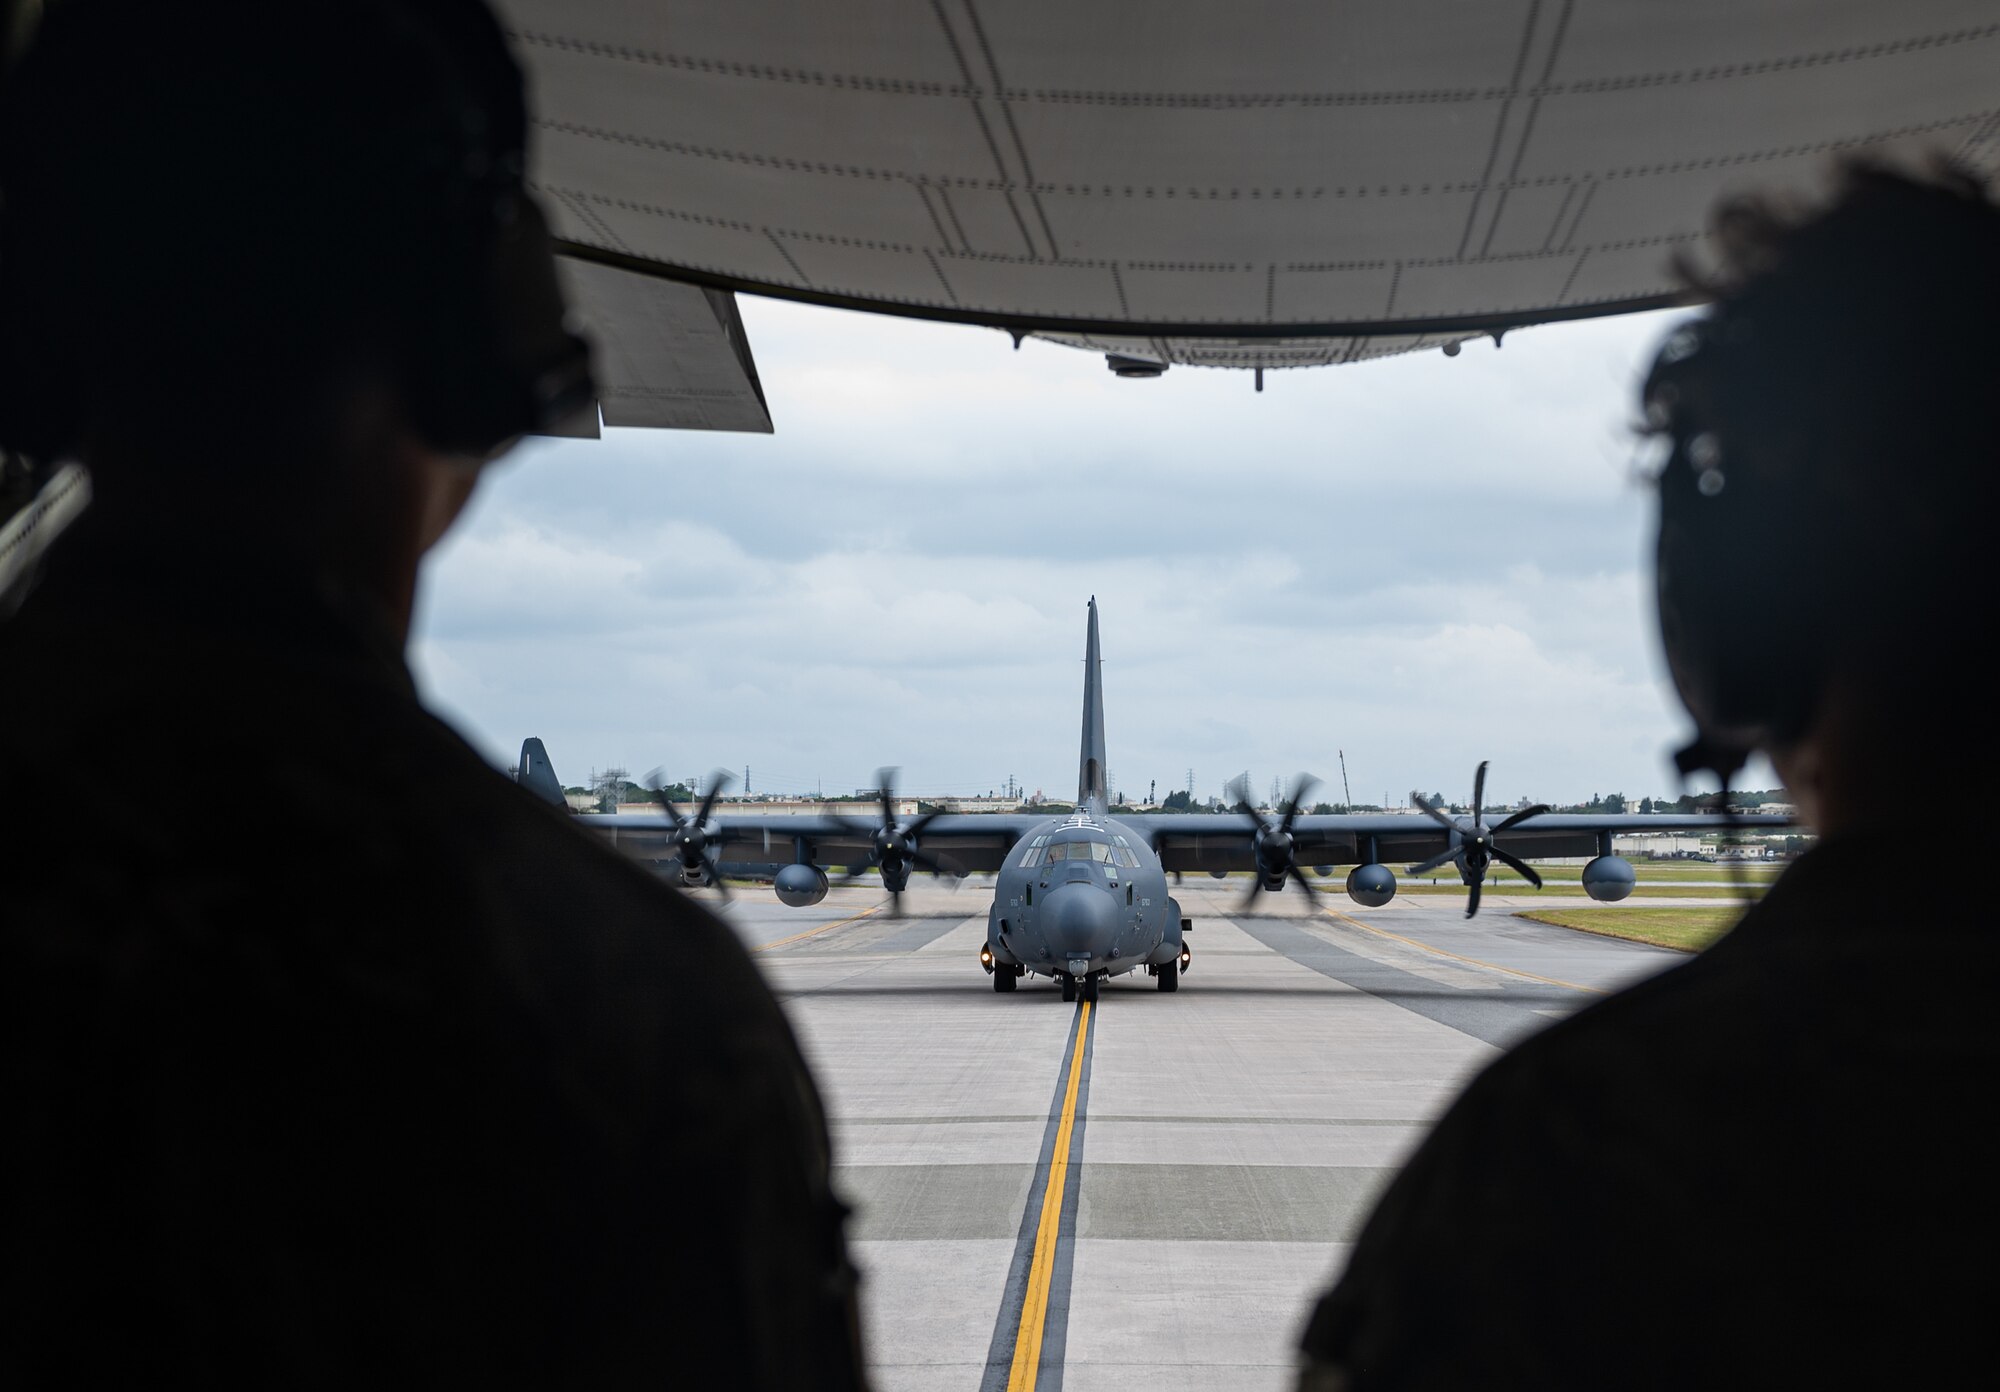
x=1420, y=561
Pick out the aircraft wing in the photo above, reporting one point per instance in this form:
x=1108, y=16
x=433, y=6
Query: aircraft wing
x=973, y=842
x=1175, y=182
x=1225, y=841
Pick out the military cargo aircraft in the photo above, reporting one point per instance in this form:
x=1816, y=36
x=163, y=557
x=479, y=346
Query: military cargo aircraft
x=1083, y=895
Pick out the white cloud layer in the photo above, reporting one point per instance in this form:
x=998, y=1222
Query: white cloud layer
x=1422, y=561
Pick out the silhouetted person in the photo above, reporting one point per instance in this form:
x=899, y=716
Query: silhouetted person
x=327, y=1055
x=1771, y=1166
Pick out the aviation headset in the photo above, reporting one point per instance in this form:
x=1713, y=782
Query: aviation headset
x=481, y=352
x=1745, y=683
x=1830, y=467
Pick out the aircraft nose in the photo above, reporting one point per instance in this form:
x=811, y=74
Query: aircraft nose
x=1083, y=920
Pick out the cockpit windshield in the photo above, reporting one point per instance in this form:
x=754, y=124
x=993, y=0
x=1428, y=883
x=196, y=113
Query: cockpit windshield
x=1081, y=850
x=1091, y=846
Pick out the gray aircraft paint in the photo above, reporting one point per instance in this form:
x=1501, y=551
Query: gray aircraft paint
x=1105, y=910
x=1091, y=791
x=1100, y=910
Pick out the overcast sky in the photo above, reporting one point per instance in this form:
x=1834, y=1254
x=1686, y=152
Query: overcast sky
x=1423, y=561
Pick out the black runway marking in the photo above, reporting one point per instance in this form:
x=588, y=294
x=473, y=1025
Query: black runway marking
x=1501, y=1017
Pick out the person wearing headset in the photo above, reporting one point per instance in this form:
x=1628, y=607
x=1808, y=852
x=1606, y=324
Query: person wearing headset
x=1771, y=1165
x=327, y=1054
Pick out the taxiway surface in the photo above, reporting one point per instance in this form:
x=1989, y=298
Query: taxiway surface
x=1148, y=1194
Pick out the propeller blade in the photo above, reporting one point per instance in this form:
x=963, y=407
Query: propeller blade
x=1433, y=863
x=885, y=786
x=917, y=826
x=1250, y=899
x=1417, y=800
x=895, y=903
x=1305, y=785
x=855, y=872
x=715, y=878
x=1521, y=816
x=717, y=781
x=1304, y=883
x=938, y=865
x=1472, y=904
x=658, y=781
x=1478, y=791
x=1518, y=866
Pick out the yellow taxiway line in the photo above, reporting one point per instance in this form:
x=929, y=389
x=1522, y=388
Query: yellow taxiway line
x=1035, y=1309
x=815, y=932
x=1472, y=961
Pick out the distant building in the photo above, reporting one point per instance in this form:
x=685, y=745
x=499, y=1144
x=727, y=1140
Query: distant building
x=859, y=808
x=1657, y=843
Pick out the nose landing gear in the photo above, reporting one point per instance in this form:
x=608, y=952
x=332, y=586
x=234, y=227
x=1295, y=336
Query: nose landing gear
x=1086, y=987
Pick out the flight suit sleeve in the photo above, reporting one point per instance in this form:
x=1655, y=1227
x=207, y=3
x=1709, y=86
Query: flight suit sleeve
x=798, y=1287
x=1436, y=1291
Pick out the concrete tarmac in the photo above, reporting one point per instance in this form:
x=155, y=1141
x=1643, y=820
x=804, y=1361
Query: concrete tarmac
x=1213, y=1151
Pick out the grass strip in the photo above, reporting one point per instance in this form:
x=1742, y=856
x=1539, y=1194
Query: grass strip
x=1575, y=891
x=1684, y=930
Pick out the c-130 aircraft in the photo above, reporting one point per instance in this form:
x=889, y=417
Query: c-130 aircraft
x=1083, y=896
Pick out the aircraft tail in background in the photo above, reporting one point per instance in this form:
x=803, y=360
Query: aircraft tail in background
x=1091, y=791
x=538, y=775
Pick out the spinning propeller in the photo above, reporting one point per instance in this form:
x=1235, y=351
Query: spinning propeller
x=691, y=837
x=1273, y=842
x=894, y=848
x=1474, y=846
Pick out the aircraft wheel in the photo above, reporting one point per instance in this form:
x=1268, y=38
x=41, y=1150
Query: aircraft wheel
x=1170, y=977
x=1090, y=985
x=1069, y=988
x=1004, y=978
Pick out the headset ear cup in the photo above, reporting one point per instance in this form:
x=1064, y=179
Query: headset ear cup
x=1739, y=609
x=551, y=363
x=490, y=356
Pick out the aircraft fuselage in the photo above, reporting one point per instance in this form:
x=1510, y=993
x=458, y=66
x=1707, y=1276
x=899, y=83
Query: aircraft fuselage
x=1083, y=896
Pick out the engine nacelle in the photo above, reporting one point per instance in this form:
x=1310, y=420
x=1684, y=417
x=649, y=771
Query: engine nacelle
x=800, y=886
x=1371, y=886
x=694, y=876
x=1609, y=878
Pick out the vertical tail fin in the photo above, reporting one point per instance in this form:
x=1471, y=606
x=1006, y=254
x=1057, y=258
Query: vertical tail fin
x=538, y=775
x=1091, y=786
